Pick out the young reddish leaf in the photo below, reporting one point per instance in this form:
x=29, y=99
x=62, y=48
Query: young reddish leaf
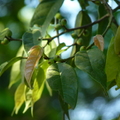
x=99, y=42
x=35, y=54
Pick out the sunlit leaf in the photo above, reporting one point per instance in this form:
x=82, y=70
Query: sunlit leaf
x=6, y=65
x=15, y=71
x=99, y=41
x=5, y=33
x=32, y=95
x=50, y=49
x=93, y=63
x=44, y=66
x=28, y=99
x=59, y=49
x=62, y=78
x=19, y=97
x=60, y=46
x=44, y=13
x=35, y=54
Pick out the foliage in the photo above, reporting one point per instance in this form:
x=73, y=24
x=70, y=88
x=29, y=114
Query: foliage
x=41, y=63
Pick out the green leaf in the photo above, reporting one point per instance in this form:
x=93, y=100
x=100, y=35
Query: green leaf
x=44, y=13
x=33, y=95
x=62, y=78
x=64, y=106
x=112, y=67
x=28, y=100
x=82, y=19
x=15, y=70
x=59, y=49
x=114, y=28
x=5, y=33
x=50, y=49
x=103, y=24
x=93, y=63
x=6, y=65
x=83, y=3
x=30, y=38
x=44, y=66
x=61, y=45
x=19, y=97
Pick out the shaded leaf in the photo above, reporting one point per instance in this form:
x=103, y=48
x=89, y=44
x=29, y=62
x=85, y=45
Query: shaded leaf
x=44, y=13
x=35, y=54
x=62, y=78
x=112, y=67
x=114, y=28
x=99, y=41
x=64, y=106
x=6, y=65
x=103, y=24
x=82, y=19
x=83, y=3
x=30, y=38
x=93, y=63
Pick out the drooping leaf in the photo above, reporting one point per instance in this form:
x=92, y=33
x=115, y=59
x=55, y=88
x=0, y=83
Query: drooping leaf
x=45, y=66
x=38, y=84
x=35, y=54
x=62, y=78
x=5, y=33
x=93, y=63
x=15, y=71
x=44, y=13
x=32, y=95
x=6, y=65
x=99, y=41
x=82, y=19
x=28, y=100
x=30, y=39
x=64, y=106
x=103, y=24
x=19, y=97
x=112, y=67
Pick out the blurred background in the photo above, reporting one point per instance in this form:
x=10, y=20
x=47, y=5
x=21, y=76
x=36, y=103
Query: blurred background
x=92, y=104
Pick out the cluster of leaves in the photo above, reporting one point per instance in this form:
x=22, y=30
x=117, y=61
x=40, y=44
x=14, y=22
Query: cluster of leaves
x=40, y=62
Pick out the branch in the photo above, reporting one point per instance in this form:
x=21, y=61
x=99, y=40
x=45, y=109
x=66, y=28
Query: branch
x=13, y=39
x=81, y=27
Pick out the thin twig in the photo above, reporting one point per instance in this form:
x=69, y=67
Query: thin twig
x=108, y=8
x=13, y=39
